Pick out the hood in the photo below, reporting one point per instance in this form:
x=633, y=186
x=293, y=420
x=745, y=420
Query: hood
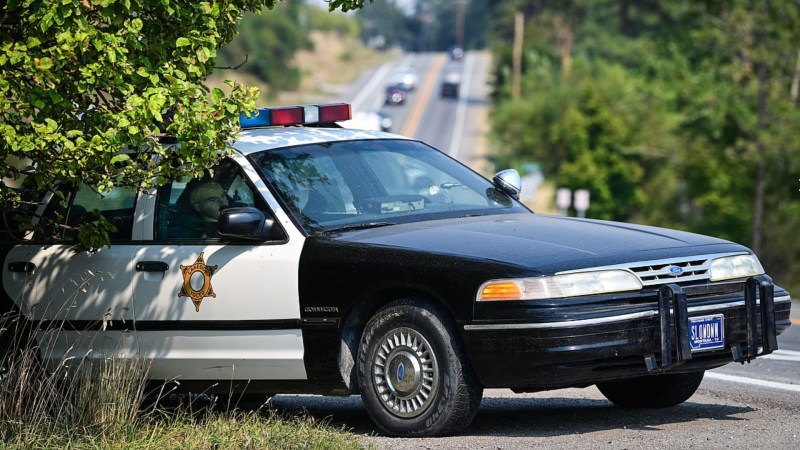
x=540, y=242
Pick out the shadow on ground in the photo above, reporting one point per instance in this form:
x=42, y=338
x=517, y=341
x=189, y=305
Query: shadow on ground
x=530, y=417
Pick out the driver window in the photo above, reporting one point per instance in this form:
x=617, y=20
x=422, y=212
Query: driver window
x=188, y=209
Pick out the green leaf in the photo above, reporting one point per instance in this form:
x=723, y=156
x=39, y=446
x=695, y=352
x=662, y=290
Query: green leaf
x=120, y=158
x=46, y=22
x=136, y=25
x=182, y=42
x=45, y=63
x=217, y=94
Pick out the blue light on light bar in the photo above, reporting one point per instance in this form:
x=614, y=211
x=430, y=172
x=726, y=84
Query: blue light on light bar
x=260, y=119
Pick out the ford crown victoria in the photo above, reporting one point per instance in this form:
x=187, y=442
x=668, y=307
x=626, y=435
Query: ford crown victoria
x=340, y=262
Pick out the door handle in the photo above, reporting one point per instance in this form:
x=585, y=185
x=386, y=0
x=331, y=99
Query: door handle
x=21, y=266
x=152, y=266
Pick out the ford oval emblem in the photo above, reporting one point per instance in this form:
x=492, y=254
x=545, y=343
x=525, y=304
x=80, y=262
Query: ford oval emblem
x=401, y=371
x=675, y=270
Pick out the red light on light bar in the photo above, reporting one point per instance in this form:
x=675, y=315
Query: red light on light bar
x=334, y=112
x=292, y=115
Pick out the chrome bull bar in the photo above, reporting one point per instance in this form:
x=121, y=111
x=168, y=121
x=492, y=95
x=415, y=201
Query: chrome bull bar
x=759, y=303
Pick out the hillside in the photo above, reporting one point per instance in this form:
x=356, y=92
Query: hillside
x=334, y=61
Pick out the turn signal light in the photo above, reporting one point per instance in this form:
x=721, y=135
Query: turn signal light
x=503, y=290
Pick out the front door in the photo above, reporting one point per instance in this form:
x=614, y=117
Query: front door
x=212, y=308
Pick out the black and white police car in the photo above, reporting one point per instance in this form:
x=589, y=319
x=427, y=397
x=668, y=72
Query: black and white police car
x=361, y=262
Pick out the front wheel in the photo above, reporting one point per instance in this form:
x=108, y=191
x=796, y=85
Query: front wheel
x=655, y=391
x=413, y=375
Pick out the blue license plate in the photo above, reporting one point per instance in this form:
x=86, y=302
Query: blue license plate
x=707, y=332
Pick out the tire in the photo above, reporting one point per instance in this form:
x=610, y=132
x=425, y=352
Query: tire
x=656, y=391
x=412, y=339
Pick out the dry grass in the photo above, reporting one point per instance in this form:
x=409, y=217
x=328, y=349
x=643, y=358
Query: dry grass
x=99, y=403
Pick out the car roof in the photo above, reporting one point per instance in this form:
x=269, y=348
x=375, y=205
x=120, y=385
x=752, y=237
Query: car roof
x=258, y=139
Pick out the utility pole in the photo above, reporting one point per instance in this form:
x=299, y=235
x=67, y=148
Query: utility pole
x=461, y=5
x=519, y=33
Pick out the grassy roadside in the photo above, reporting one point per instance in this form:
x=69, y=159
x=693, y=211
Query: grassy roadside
x=186, y=431
x=101, y=403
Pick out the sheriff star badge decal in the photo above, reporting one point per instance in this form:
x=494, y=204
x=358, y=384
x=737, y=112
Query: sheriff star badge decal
x=197, y=295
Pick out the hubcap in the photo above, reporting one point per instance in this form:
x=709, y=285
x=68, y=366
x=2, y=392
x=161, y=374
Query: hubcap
x=404, y=372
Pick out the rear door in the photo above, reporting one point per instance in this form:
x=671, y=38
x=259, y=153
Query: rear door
x=84, y=300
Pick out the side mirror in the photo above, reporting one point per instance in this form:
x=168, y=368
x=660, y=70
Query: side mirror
x=249, y=223
x=508, y=182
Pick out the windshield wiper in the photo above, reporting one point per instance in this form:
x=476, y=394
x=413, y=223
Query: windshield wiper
x=361, y=226
x=451, y=185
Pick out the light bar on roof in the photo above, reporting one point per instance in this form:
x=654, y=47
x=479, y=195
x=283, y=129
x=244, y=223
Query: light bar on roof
x=291, y=115
x=297, y=115
x=335, y=112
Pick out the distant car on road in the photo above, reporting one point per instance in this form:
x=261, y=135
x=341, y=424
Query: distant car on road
x=386, y=121
x=450, y=85
x=369, y=120
x=363, y=120
x=456, y=53
x=395, y=94
x=406, y=79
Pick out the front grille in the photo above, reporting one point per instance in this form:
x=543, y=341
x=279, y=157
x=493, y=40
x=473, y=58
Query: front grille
x=659, y=272
x=670, y=270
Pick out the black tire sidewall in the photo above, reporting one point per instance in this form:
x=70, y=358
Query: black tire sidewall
x=659, y=391
x=438, y=418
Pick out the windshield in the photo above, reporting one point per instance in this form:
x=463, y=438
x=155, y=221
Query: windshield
x=356, y=184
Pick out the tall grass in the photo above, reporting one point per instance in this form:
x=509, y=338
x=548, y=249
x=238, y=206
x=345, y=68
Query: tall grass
x=79, y=393
x=98, y=403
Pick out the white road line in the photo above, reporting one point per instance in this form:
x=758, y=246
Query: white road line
x=753, y=381
x=458, y=130
x=367, y=90
x=784, y=355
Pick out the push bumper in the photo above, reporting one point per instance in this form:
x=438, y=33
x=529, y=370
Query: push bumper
x=627, y=338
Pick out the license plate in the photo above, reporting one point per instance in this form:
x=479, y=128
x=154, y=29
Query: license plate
x=707, y=332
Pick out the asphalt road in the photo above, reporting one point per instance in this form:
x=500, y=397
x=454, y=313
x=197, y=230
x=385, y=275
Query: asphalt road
x=456, y=126
x=761, y=409
x=755, y=405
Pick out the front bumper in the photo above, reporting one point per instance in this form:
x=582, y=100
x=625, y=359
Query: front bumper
x=585, y=341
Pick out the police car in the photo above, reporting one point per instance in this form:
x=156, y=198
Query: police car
x=343, y=262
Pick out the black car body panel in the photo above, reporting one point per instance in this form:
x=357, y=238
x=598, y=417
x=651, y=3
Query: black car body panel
x=527, y=345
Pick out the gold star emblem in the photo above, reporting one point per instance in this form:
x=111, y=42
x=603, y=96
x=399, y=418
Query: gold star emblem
x=206, y=290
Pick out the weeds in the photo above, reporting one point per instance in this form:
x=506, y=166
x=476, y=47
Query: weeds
x=86, y=402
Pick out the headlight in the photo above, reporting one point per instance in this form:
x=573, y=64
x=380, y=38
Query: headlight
x=559, y=286
x=739, y=266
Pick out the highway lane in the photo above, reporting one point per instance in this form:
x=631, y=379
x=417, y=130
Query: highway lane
x=454, y=126
x=774, y=375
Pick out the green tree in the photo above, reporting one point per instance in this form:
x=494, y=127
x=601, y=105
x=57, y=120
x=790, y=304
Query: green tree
x=692, y=99
x=82, y=81
x=266, y=45
x=385, y=25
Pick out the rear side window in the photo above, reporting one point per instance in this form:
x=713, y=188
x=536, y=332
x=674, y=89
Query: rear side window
x=116, y=206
